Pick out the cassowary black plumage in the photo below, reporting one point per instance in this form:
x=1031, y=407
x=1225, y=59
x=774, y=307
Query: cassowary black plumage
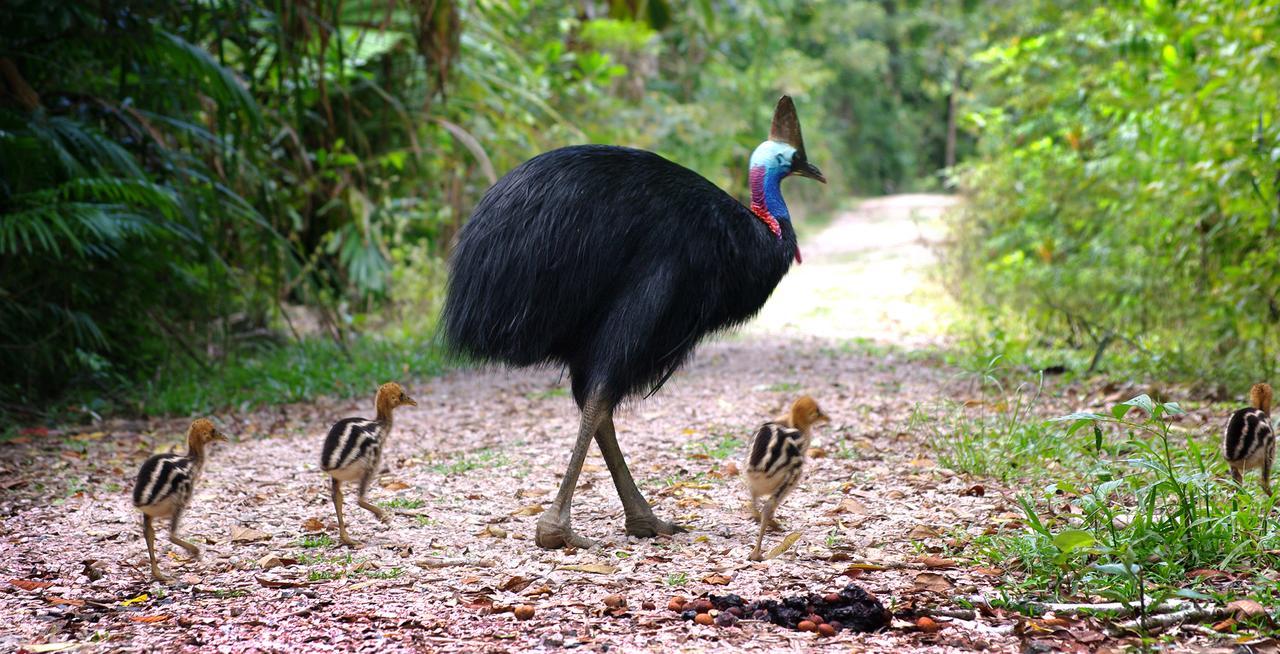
x=616, y=262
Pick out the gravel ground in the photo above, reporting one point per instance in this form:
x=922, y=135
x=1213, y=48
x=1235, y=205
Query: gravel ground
x=470, y=468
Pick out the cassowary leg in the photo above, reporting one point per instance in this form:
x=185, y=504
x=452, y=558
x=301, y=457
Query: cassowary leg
x=553, y=528
x=640, y=519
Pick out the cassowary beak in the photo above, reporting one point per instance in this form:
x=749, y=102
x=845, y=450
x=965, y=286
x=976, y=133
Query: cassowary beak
x=805, y=169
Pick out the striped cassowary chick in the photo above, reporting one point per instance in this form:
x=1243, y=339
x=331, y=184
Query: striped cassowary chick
x=777, y=461
x=1250, y=441
x=353, y=452
x=164, y=487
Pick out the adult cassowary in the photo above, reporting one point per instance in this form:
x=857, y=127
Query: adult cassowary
x=616, y=262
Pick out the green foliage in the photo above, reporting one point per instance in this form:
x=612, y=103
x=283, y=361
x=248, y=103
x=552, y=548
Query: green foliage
x=1125, y=192
x=1130, y=506
x=178, y=178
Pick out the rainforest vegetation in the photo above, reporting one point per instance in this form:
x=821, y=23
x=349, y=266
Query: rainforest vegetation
x=194, y=192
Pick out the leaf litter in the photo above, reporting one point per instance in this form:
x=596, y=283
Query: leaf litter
x=272, y=576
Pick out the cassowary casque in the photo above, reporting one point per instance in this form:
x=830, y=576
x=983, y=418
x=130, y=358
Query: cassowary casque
x=616, y=262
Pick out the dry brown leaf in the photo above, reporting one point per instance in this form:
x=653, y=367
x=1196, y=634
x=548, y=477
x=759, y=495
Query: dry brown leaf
x=921, y=532
x=532, y=509
x=516, y=584
x=1226, y=625
x=241, y=534
x=150, y=619
x=784, y=545
x=41, y=648
x=976, y=490
x=1245, y=609
x=937, y=562
x=27, y=584
x=849, y=505
x=395, y=485
x=66, y=600
x=591, y=467
x=493, y=531
x=731, y=469
x=932, y=581
x=594, y=568
x=313, y=524
x=717, y=579
x=282, y=583
x=816, y=453
x=990, y=572
x=273, y=561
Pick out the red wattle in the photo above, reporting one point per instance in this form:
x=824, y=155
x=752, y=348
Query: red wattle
x=798, y=258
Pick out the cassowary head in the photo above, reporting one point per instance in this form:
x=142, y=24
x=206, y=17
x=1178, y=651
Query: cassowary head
x=780, y=156
x=783, y=154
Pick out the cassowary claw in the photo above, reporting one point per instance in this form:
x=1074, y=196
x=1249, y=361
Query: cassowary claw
x=650, y=526
x=553, y=535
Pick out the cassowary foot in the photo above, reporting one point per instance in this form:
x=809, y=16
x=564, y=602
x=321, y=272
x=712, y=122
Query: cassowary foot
x=554, y=534
x=648, y=526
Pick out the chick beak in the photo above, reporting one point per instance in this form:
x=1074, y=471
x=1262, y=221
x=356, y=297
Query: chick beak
x=805, y=169
x=409, y=401
x=219, y=436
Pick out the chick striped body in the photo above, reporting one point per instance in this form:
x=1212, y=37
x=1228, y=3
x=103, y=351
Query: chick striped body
x=165, y=484
x=352, y=449
x=777, y=461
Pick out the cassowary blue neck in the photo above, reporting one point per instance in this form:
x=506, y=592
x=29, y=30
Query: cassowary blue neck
x=766, y=191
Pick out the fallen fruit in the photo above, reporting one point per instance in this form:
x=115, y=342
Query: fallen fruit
x=927, y=624
x=702, y=605
x=648, y=605
x=524, y=612
x=806, y=625
x=725, y=620
x=831, y=598
x=826, y=630
x=704, y=619
x=677, y=603
x=615, y=601
x=815, y=619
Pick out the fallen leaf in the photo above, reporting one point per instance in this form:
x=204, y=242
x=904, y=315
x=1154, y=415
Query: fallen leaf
x=717, y=579
x=67, y=601
x=272, y=561
x=284, y=583
x=1087, y=635
x=150, y=619
x=921, y=532
x=38, y=648
x=849, y=505
x=784, y=545
x=247, y=535
x=1202, y=573
x=532, y=509
x=27, y=584
x=976, y=490
x=731, y=469
x=395, y=485
x=937, y=562
x=1226, y=625
x=1245, y=609
x=990, y=572
x=932, y=581
x=494, y=531
x=595, y=568
x=516, y=584
x=136, y=600
x=313, y=524
x=816, y=453
x=591, y=467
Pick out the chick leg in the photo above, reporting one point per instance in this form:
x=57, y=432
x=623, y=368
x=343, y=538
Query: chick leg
x=553, y=528
x=365, y=504
x=149, y=533
x=640, y=519
x=192, y=550
x=335, y=492
x=1266, y=468
x=766, y=517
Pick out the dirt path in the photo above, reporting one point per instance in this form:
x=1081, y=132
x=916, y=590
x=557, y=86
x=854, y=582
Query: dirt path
x=476, y=461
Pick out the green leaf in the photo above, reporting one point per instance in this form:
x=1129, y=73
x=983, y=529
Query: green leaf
x=1130, y=569
x=1073, y=539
